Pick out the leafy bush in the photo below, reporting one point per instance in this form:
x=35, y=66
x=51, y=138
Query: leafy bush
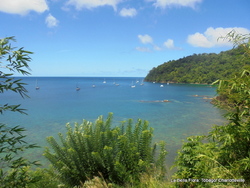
x=224, y=153
x=47, y=178
x=14, y=169
x=120, y=154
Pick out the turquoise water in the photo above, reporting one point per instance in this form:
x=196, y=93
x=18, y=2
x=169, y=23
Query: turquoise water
x=57, y=102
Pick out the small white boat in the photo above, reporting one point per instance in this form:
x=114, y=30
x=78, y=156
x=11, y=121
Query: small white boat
x=116, y=84
x=161, y=85
x=142, y=83
x=37, y=87
x=77, y=87
x=132, y=86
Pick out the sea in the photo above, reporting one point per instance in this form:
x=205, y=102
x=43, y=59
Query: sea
x=175, y=111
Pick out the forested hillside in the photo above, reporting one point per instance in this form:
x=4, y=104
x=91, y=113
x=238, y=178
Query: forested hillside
x=199, y=68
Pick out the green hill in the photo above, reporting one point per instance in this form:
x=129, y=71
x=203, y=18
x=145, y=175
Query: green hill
x=199, y=68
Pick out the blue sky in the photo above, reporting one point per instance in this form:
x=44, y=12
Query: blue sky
x=118, y=37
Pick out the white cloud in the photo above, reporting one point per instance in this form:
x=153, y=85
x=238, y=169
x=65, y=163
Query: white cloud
x=157, y=48
x=168, y=3
x=169, y=44
x=142, y=49
x=128, y=12
x=89, y=4
x=145, y=39
x=23, y=7
x=51, y=21
x=210, y=37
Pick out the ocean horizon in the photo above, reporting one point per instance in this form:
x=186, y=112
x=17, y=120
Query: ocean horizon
x=175, y=111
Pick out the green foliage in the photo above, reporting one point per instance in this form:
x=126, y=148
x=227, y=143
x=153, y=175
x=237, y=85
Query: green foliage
x=234, y=94
x=188, y=158
x=14, y=169
x=47, y=178
x=11, y=61
x=224, y=153
x=200, y=68
x=201, y=158
x=120, y=154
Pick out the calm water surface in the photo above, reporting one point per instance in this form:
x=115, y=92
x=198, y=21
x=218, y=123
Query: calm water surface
x=57, y=102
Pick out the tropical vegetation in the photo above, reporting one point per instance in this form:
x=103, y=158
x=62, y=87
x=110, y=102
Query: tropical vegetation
x=99, y=154
x=200, y=68
x=14, y=169
x=119, y=155
x=224, y=154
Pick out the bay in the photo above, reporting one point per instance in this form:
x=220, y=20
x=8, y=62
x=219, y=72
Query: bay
x=57, y=102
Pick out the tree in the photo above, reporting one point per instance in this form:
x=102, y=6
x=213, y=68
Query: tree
x=201, y=68
x=234, y=138
x=12, y=61
x=119, y=155
x=234, y=93
x=13, y=168
x=224, y=153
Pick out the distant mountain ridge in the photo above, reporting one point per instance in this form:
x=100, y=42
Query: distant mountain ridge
x=199, y=68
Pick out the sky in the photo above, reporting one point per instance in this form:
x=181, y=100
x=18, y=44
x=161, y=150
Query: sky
x=118, y=37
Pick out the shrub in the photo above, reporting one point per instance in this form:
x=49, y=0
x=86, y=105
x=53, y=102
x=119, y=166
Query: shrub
x=14, y=169
x=120, y=154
